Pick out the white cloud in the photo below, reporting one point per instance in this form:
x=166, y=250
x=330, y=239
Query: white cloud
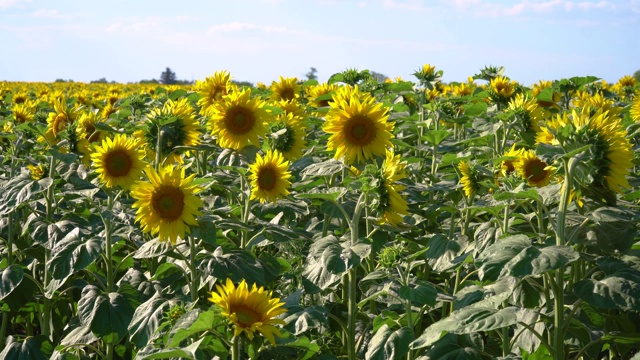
x=53, y=14
x=528, y=7
x=241, y=26
x=413, y=5
x=5, y=4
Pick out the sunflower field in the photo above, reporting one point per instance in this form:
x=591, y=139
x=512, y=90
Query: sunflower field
x=351, y=219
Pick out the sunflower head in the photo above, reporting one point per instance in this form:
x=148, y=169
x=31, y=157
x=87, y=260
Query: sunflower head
x=427, y=74
x=238, y=120
x=286, y=89
x=118, y=161
x=358, y=126
x=212, y=89
x=23, y=112
x=167, y=204
x=320, y=95
x=532, y=169
x=392, y=204
x=270, y=177
x=634, y=111
x=249, y=309
x=507, y=166
x=37, y=171
x=501, y=89
x=287, y=136
x=470, y=179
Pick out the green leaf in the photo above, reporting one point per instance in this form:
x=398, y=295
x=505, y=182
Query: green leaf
x=32, y=348
x=146, y=320
x=12, y=276
x=435, y=137
x=546, y=95
x=475, y=109
x=443, y=251
x=536, y=261
x=332, y=194
x=325, y=168
x=492, y=260
x=194, y=322
x=422, y=294
x=389, y=344
x=618, y=290
x=73, y=254
x=453, y=347
x=176, y=94
x=338, y=77
x=108, y=315
x=237, y=265
x=314, y=317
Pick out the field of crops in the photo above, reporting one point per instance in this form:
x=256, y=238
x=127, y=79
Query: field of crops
x=352, y=219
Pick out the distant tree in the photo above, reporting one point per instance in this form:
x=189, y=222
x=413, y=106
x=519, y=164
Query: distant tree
x=242, y=83
x=168, y=77
x=378, y=76
x=63, y=80
x=311, y=75
x=152, y=81
x=637, y=75
x=99, y=81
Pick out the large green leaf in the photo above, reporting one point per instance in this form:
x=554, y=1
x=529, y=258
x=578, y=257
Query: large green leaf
x=443, y=252
x=389, y=344
x=72, y=254
x=237, y=265
x=617, y=290
x=492, y=260
x=194, y=322
x=12, y=276
x=146, y=319
x=536, y=261
x=421, y=294
x=108, y=315
x=454, y=347
x=188, y=352
x=32, y=348
x=482, y=316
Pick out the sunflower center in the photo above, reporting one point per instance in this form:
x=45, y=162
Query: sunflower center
x=287, y=94
x=168, y=202
x=360, y=130
x=92, y=134
x=267, y=178
x=246, y=316
x=239, y=120
x=535, y=171
x=118, y=163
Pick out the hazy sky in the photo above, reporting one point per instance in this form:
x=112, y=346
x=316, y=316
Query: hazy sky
x=258, y=40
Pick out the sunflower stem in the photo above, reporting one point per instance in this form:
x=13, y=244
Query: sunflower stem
x=235, y=348
x=351, y=280
x=192, y=269
x=159, y=147
x=558, y=300
x=505, y=220
x=245, y=211
x=50, y=202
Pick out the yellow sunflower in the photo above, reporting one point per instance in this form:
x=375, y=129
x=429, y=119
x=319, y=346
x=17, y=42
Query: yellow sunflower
x=59, y=119
x=269, y=177
x=212, y=89
x=178, y=127
x=469, y=180
x=596, y=102
x=320, y=95
x=611, y=154
x=501, y=89
x=287, y=136
x=238, y=120
x=249, y=310
x=393, y=204
x=359, y=128
x=635, y=109
x=507, y=167
x=286, y=89
x=118, y=161
x=23, y=112
x=166, y=204
x=627, y=80
x=292, y=107
x=535, y=171
x=37, y=171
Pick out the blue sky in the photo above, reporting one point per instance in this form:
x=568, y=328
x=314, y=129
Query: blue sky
x=258, y=40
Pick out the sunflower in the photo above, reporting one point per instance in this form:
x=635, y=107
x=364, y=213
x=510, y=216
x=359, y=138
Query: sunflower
x=359, y=128
x=118, y=161
x=595, y=103
x=86, y=135
x=320, y=95
x=212, y=89
x=178, y=127
x=23, y=112
x=426, y=74
x=627, y=80
x=531, y=168
x=285, y=89
x=166, y=204
x=37, y=171
x=507, y=167
x=610, y=156
x=501, y=89
x=287, y=136
x=470, y=179
x=59, y=119
x=292, y=107
x=393, y=204
x=634, y=111
x=269, y=177
x=238, y=120
x=249, y=310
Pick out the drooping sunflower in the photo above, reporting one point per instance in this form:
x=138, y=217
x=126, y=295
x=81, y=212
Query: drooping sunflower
x=393, y=204
x=212, y=89
x=469, y=180
x=507, y=167
x=238, y=120
x=287, y=136
x=86, y=135
x=501, y=89
x=532, y=169
x=118, y=161
x=320, y=95
x=270, y=177
x=611, y=155
x=528, y=115
x=292, y=107
x=166, y=204
x=359, y=128
x=59, y=119
x=249, y=310
x=634, y=111
x=286, y=89
x=178, y=127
